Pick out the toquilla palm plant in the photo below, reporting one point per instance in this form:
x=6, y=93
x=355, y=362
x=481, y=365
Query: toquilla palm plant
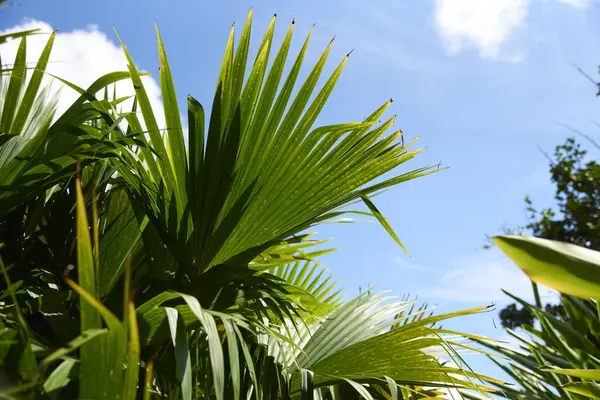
x=215, y=233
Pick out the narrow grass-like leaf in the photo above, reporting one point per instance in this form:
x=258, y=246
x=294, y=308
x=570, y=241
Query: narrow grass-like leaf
x=214, y=344
x=179, y=338
x=14, y=35
x=234, y=358
x=360, y=389
x=109, y=318
x=393, y=387
x=15, y=85
x=33, y=87
x=308, y=386
x=133, y=356
x=588, y=374
x=587, y=389
x=156, y=139
x=74, y=344
x=90, y=316
x=175, y=145
x=11, y=292
x=382, y=220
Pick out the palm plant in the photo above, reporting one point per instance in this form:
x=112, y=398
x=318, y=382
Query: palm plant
x=227, y=285
x=561, y=358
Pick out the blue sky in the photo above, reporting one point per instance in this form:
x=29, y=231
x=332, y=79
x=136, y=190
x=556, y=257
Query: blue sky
x=483, y=83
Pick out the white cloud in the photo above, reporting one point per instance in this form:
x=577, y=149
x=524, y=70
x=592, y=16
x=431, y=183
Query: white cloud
x=485, y=25
x=482, y=278
x=482, y=24
x=80, y=56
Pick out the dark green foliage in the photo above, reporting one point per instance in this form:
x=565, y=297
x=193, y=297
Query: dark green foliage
x=513, y=317
x=577, y=181
x=576, y=218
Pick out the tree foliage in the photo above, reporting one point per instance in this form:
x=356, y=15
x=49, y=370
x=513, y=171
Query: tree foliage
x=575, y=219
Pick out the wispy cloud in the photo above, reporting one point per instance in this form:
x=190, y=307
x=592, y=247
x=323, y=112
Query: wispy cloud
x=406, y=264
x=481, y=279
x=386, y=35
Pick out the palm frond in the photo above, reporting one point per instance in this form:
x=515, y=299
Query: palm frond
x=261, y=174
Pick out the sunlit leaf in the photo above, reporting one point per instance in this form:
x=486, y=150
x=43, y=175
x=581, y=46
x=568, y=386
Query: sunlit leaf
x=562, y=266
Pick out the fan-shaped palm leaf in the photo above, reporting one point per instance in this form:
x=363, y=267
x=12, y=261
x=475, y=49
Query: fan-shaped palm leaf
x=257, y=172
x=367, y=341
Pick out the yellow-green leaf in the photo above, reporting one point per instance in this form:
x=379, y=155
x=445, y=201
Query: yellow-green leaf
x=562, y=266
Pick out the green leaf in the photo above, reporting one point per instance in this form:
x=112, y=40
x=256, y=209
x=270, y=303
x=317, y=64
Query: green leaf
x=15, y=85
x=59, y=378
x=383, y=221
x=111, y=349
x=565, y=267
x=5, y=137
x=133, y=356
x=26, y=364
x=214, y=343
x=121, y=234
x=32, y=89
x=14, y=35
x=339, y=352
x=101, y=359
x=74, y=344
x=588, y=389
x=234, y=358
x=179, y=337
x=588, y=374
x=360, y=389
x=393, y=387
x=163, y=171
x=10, y=289
x=308, y=386
x=86, y=271
x=175, y=145
x=109, y=318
